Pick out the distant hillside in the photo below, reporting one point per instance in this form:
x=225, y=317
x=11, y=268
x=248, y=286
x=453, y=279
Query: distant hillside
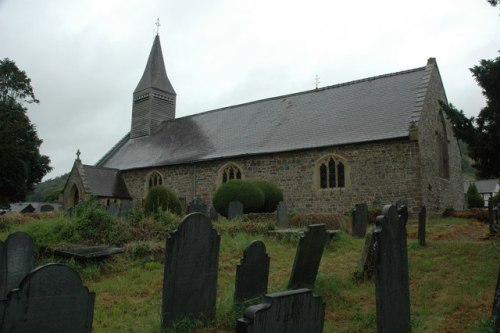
x=50, y=187
x=468, y=171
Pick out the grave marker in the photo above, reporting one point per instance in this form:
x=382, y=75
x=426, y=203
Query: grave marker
x=392, y=293
x=366, y=265
x=214, y=216
x=252, y=272
x=289, y=311
x=282, y=213
x=308, y=257
x=403, y=211
x=422, y=221
x=191, y=264
x=234, y=210
x=197, y=206
x=359, y=220
x=495, y=312
x=50, y=299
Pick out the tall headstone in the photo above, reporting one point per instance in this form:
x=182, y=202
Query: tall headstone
x=191, y=265
x=491, y=217
x=50, y=299
x=289, y=311
x=495, y=312
x=422, y=221
x=282, y=213
x=308, y=257
x=234, y=210
x=366, y=265
x=403, y=212
x=197, y=206
x=252, y=272
x=17, y=259
x=359, y=220
x=392, y=293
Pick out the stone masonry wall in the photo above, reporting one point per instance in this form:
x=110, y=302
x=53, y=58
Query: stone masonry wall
x=376, y=173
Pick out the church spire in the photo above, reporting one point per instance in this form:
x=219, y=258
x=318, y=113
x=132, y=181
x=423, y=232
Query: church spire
x=154, y=96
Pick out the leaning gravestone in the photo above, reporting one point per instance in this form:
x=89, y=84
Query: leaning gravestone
x=17, y=259
x=308, y=257
x=366, y=264
x=495, y=312
x=282, y=213
x=392, y=293
x=234, y=210
x=191, y=264
x=50, y=299
x=289, y=311
x=252, y=272
x=197, y=206
x=359, y=220
x=403, y=211
x=422, y=220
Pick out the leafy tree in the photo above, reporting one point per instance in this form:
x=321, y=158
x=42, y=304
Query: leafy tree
x=482, y=135
x=21, y=165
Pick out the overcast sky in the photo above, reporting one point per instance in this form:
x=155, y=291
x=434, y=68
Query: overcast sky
x=85, y=58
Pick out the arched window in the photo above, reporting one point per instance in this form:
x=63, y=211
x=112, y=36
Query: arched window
x=332, y=172
x=230, y=171
x=442, y=143
x=155, y=179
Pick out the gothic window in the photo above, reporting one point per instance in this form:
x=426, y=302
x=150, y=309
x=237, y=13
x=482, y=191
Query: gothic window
x=442, y=146
x=155, y=179
x=230, y=171
x=332, y=173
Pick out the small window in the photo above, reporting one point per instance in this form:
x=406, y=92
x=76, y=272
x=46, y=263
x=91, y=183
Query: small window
x=155, y=179
x=332, y=173
x=229, y=172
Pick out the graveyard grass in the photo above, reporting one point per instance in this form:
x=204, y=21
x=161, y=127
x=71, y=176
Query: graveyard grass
x=452, y=279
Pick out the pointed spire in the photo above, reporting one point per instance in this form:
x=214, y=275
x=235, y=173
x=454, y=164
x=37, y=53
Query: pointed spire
x=155, y=75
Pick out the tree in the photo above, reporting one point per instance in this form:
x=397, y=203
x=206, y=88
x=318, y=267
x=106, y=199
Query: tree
x=21, y=165
x=482, y=135
x=474, y=199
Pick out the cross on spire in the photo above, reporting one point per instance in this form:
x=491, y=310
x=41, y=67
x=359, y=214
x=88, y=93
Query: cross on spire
x=157, y=25
x=78, y=154
x=316, y=81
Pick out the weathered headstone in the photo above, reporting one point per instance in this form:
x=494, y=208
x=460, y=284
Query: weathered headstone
x=50, y=299
x=422, y=221
x=234, y=210
x=308, y=257
x=495, y=312
x=191, y=265
x=252, y=272
x=46, y=208
x=214, y=216
x=391, y=273
x=282, y=213
x=289, y=311
x=197, y=206
x=17, y=259
x=403, y=211
x=366, y=265
x=359, y=220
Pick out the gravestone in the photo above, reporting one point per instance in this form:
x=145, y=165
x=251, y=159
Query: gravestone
x=282, y=213
x=308, y=257
x=252, y=272
x=197, y=206
x=46, y=208
x=422, y=221
x=88, y=252
x=392, y=293
x=191, y=264
x=491, y=217
x=17, y=259
x=359, y=220
x=495, y=312
x=289, y=311
x=366, y=265
x=214, y=216
x=234, y=210
x=50, y=299
x=403, y=211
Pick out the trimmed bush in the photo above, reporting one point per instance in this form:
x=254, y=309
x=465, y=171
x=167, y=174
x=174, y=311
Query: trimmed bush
x=245, y=192
x=161, y=198
x=272, y=195
x=474, y=198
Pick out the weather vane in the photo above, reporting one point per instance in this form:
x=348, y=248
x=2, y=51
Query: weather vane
x=157, y=26
x=316, y=81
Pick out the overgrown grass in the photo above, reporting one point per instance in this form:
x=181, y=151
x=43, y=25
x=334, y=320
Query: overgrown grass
x=452, y=279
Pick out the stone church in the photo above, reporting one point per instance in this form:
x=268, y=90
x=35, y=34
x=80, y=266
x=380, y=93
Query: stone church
x=376, y=140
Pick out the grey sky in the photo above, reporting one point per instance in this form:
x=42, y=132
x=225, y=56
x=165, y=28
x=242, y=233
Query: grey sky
x=85, y=58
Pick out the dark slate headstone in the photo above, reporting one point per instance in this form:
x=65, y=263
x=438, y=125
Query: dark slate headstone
x=289, y=311
x=308, y=257
x=495, y=312
x=197, y=206
x=359, y=220
x=422, y=221
x=252, y=272
x=491, y=217
x=282, y=213
x=392, y=293
x=50, y=299
x=234, y=210
x=46, y=208
x=214, y=216
x=89, y=252
x=191, y=265
x=403, y=211
x=17, y=260
x=366, y=265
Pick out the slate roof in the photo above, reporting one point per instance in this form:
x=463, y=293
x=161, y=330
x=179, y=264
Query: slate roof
x=104, y=182
x=371, y=109
x=484, y=186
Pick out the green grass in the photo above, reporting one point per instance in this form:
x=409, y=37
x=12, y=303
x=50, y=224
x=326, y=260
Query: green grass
x=451, y=281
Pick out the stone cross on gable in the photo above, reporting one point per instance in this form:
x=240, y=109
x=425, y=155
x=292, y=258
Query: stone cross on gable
x=316, y=81
x=78, y=154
